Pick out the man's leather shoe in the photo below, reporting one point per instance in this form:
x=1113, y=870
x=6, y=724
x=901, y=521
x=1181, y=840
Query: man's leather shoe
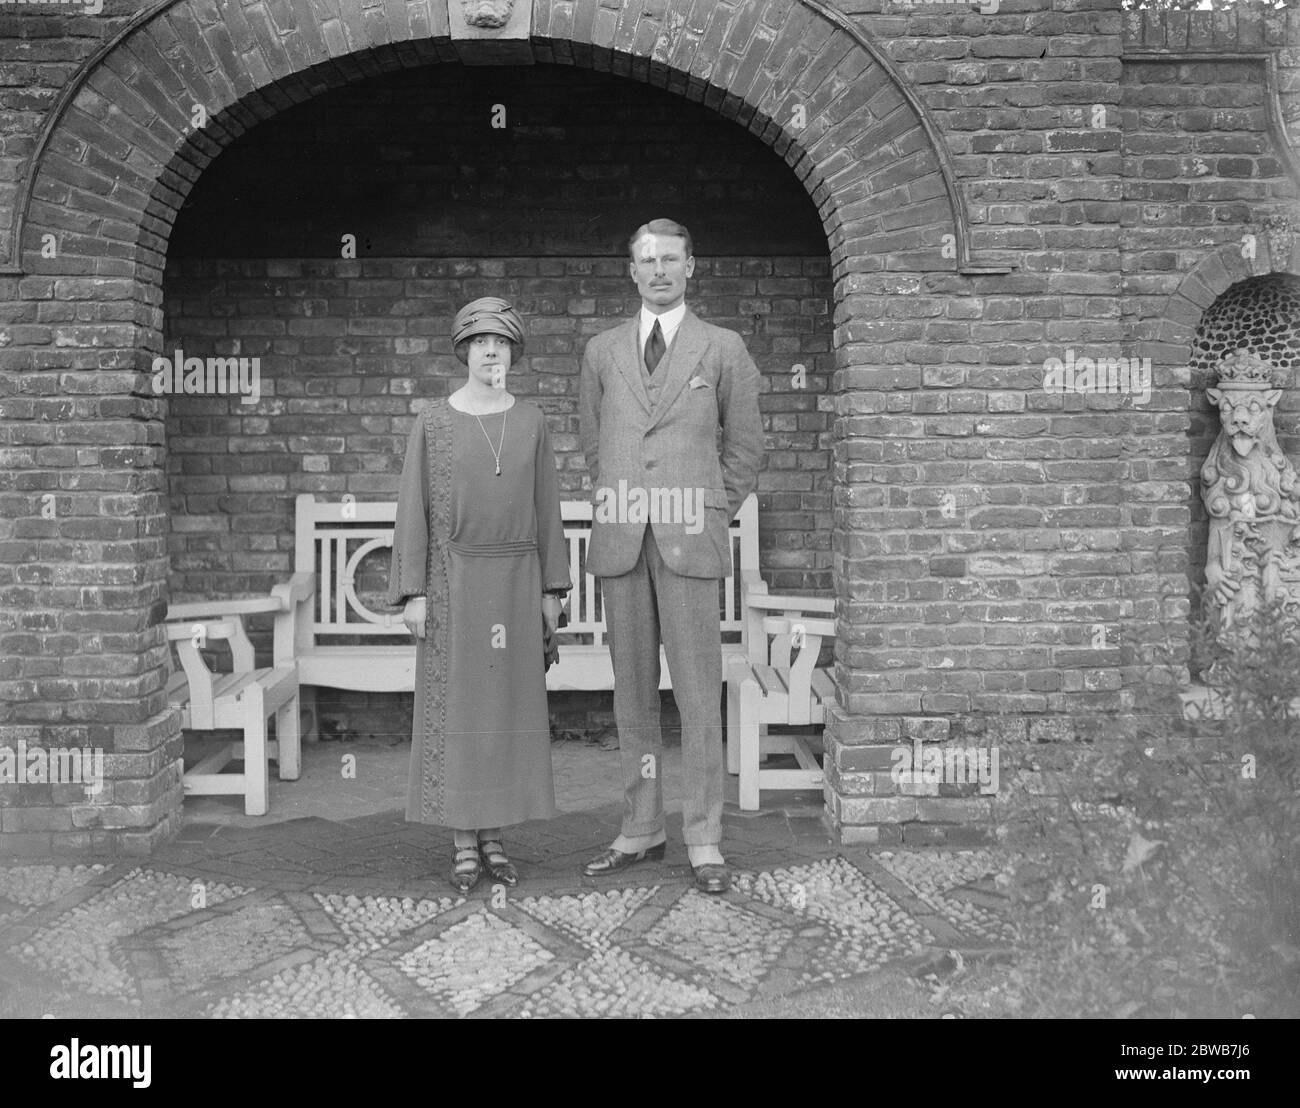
x=712, y=878
x=611, y=861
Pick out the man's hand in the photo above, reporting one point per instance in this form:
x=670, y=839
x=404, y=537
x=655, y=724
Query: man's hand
x=413, y=616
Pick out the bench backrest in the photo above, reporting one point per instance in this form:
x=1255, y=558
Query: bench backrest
x=333, y=539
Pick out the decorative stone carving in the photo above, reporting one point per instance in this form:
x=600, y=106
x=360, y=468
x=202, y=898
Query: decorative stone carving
x=1252, y=494
x=491, y=32
x=491, y=15
x=1279, y=233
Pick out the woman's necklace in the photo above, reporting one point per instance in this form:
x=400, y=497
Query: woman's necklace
x=496, y=450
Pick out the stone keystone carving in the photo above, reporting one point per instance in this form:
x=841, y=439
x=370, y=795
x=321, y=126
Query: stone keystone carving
x=491, y=15
x=1252, y=494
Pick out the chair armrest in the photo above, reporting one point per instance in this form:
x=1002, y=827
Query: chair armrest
x=751, y=584
x=230, y=627
x=298, y=588
x=189, y=635
x=292, y=633
x=770, y=603
x=795, y=645
x=217, y=609
x=793, y=625
x=753, y=642
x=197, y=630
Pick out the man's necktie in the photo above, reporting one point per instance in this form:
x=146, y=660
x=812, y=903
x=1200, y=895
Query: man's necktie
x=654, y=348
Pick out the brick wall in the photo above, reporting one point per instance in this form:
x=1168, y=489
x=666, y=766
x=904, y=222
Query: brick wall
x=987, y=602
x=445, y=162
x=981, y=529
x=348, y=349
x=1202, y=174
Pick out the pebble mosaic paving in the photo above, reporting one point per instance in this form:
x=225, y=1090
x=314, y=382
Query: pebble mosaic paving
x=959, y=884
x=163, y=943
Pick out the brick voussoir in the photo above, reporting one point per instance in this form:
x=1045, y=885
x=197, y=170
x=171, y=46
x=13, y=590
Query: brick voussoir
x=160, y=83
x=627, y=22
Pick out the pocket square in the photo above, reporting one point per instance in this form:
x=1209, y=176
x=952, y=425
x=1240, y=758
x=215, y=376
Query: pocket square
x=700, y=383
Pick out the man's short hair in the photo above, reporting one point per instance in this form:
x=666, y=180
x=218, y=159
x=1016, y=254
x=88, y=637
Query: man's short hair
x=660, y=227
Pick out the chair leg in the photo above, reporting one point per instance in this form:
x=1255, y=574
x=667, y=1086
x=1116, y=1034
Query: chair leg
x=750, y=706
x=310, y=731
x=733, y=725
x=288, y=740
x=257, y=789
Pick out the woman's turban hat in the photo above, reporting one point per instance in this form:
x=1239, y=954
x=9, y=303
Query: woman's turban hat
x=489, y=315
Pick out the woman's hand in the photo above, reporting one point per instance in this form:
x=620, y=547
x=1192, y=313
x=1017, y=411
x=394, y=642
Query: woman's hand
x=413, y=616
x=551, y=606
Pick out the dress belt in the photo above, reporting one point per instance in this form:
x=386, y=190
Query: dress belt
x=493, y=549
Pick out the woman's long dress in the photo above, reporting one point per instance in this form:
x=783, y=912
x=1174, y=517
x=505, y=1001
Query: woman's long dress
x=481, y=548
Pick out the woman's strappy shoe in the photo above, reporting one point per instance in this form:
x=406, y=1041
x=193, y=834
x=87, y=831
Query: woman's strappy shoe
x=467, y=868
x=498, y=864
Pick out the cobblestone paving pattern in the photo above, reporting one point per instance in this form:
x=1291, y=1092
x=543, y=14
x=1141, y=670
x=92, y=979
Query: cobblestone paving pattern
x=152, y=941
x=334, y=915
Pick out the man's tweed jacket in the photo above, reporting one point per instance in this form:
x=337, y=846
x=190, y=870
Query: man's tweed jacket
x=706, y=380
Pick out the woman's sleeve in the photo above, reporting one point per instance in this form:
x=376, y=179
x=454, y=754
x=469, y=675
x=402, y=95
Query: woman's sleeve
x=551, y=544
x=408, y=564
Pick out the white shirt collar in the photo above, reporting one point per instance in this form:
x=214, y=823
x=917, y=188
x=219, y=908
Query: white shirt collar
x=668, y=323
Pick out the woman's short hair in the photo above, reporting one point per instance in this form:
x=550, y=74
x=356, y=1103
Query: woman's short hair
x=462, y=350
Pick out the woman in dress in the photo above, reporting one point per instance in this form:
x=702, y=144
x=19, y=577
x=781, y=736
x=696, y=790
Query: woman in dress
x=480, y=563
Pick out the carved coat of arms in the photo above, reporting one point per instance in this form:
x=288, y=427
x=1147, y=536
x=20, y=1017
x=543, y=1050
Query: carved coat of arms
x=491, y=15
x=1252, y=495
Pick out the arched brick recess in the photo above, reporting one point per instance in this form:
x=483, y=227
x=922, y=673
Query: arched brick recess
x=1212, y=276
x=1171, y=351
x=122, y=156
x=1261, y=314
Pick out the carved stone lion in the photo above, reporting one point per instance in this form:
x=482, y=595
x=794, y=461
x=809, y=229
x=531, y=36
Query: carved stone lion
x=491, y=15
x=1252, y=494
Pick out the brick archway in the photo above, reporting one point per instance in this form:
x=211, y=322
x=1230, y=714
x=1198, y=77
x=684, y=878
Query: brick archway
x=857, y=115
x=121, y=152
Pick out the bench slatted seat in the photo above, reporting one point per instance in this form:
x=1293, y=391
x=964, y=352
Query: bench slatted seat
x=331, y=629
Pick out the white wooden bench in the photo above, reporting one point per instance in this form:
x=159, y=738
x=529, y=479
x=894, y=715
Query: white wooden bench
x=244, y=700
x=330, y=628
x=776, y=682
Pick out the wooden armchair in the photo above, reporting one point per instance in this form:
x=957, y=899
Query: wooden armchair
x=777, y=682
x=243, y=699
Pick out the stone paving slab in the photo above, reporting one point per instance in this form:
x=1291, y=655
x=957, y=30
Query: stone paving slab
x=341, y=915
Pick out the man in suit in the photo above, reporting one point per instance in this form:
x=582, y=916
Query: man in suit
x=655, y=391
